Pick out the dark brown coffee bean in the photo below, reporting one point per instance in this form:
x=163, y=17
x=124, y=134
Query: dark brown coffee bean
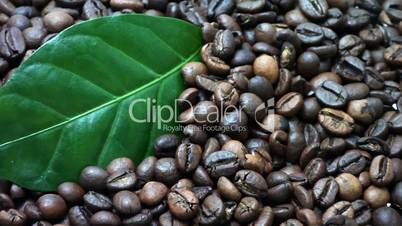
x=325, y=191
x=315, y=170
x=93, y=9
x=97, y=201
x=166, y=171
x=356, y=18
x=350, y=68
x=93, y=178
x=146, y=170
x=289, y=104
x=12, y=217
x=309, y=33
x=105, y=218
x=250, y=183
x=188, y=157
x=142, y=218
x=279, y=187
x=340, y=208
x=362, y=212
x=331, y=94
x=393, y=55
x=221, y=163
x=224, y=44
x=308, y=64
x=71, y=192
x=308, y=217
x=302, y=198
x=214, y=64
x=373, y=145
x=79, y=216
x=314, y=9
x=381, y=171
x=228, y=190
x=247, y=210
x=353, y=162
x=121, y=180
x=183, y=204
x=127, y=202
x=12, y=44
x=357, y=90
x=52, y=206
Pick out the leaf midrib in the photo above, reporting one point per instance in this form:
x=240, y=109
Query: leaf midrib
x=113, y=101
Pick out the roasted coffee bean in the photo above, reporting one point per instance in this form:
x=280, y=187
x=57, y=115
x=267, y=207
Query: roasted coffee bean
x=214, y=64
x=393, y=55
x=79, y=216
x=381, y=171
x=105, y=218
x=356, y=18
x=188, y=157
x=315, y=10
x=267, y=67
x=308, y=217
x=378, y=129
x=166, y=170
x=12, y=44
x=340, y=208
x=250, y=6
x=350, y=68
x=349, y=186
x=201, y=177
x=362, y=213
x=12, y=217
x=353, y=162
x=212, y=210
x=97, y=201
x=397, y=194
x=52, y=206
x=309, y=33
x=302, y=198
x=279, y=187
x=289, y=104
x=248, y=209
x=336, y=121
x=376, y=196
x=261, y=86
x=325, y=191
x=351, y=45
x=308, y=64
x=266, y=217
x=127, y=202
x=340, y=220
x=373, y=145
x=228, y=190
x=386, y=216
x=165, y=145
x=6, y=202
x=93, y=9
x=146, y=170
x=93, y=178
x=121, y=180
x=222, y=163
x=251, y=183
x=224, y=44
x=331, y=94
x=71, y=192
x=225, y=95
x=218, y=7
x=183, y=204
x=318, y=80
x=315, y=170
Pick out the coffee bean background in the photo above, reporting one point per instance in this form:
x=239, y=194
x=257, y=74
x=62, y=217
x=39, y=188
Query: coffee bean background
x=315, y=138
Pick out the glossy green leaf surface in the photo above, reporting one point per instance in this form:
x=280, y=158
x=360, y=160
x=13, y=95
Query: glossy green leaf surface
x=67, y=106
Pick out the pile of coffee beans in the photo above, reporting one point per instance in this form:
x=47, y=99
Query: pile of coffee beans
x=293, y=117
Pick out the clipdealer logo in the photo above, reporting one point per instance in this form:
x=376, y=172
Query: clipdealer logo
x=148, y=110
